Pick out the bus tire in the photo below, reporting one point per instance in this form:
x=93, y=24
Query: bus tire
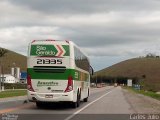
x=77, y=103
x=39, y=104
x=86, y=99
x=78, y=99
x=74, y=105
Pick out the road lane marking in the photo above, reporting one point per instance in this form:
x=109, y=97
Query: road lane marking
x=71, y=116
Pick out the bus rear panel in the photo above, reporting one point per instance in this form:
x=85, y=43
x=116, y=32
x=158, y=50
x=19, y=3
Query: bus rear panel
x=52, y=75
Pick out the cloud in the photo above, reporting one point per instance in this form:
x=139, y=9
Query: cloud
x=18, y=38
x=65, y=7
x=110, y=29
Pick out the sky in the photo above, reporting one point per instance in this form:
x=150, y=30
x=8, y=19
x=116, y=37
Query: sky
x=109, y=31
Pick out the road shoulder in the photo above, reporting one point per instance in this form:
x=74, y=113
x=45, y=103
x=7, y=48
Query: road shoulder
x=9, y=99
x=142, y=104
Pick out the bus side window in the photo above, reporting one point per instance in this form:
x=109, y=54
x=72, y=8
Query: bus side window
x=91, y=71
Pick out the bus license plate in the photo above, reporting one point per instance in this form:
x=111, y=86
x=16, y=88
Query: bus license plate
x=49, y=96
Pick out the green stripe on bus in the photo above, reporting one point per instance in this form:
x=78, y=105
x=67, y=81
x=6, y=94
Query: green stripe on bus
x=66, y=48
x=58, y=76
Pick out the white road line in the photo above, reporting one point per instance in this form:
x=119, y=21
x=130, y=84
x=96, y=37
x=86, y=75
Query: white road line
x=71, y=116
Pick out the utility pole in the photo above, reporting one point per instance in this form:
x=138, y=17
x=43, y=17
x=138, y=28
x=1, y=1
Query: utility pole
x=2, y=53
x=0, y=81
x=96, y=79
x=0, y=76
x=2, y=85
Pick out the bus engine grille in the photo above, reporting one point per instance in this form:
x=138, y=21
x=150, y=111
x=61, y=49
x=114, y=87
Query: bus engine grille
x=49, y=69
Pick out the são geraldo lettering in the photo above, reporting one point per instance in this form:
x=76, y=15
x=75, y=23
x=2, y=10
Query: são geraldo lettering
x=41, y=50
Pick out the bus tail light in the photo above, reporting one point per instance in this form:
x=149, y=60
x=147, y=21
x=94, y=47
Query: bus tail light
x=29, y=83
x=33, y=41
x=70, y=84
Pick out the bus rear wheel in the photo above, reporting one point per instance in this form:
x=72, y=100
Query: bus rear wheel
x=39, y=104
x=77, y=103
x=86, y=99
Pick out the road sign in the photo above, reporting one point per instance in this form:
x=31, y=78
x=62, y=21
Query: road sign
x=129, y=82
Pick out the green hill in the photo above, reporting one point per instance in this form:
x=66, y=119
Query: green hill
x=146, y=70
x=143, y=70
x=12, y=59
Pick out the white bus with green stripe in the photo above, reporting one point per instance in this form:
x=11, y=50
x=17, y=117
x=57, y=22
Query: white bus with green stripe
x=58, y=71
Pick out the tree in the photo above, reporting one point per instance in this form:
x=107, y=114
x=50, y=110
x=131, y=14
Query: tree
x=150, y=55
x=2, y=52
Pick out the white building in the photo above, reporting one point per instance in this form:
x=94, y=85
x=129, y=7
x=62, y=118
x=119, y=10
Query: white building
x=9, y=78
x=15, y=72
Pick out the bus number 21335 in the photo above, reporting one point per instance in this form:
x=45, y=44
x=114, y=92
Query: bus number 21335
x=49, y=61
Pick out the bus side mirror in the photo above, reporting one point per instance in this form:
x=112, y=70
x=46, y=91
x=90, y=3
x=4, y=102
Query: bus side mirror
x=91, y=71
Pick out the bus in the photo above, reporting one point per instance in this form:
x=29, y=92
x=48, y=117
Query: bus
x=57, y=71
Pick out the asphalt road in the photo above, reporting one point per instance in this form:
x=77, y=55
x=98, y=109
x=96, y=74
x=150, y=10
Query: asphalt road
x=104, y=103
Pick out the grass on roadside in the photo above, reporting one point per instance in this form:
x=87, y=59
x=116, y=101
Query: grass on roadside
x=146, y=93
x=12, y=93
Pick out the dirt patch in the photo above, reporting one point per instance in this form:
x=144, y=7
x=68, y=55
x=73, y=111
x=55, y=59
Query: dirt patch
x=142, y=104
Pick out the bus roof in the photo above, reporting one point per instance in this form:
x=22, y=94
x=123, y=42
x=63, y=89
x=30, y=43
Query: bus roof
x=52, y=41
x=49, y=41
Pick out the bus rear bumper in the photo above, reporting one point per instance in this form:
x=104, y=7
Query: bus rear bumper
x=50, y=97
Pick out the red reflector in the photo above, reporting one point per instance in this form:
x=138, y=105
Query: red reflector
x=33, y=41
x=29, y=83
x=70, y=84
